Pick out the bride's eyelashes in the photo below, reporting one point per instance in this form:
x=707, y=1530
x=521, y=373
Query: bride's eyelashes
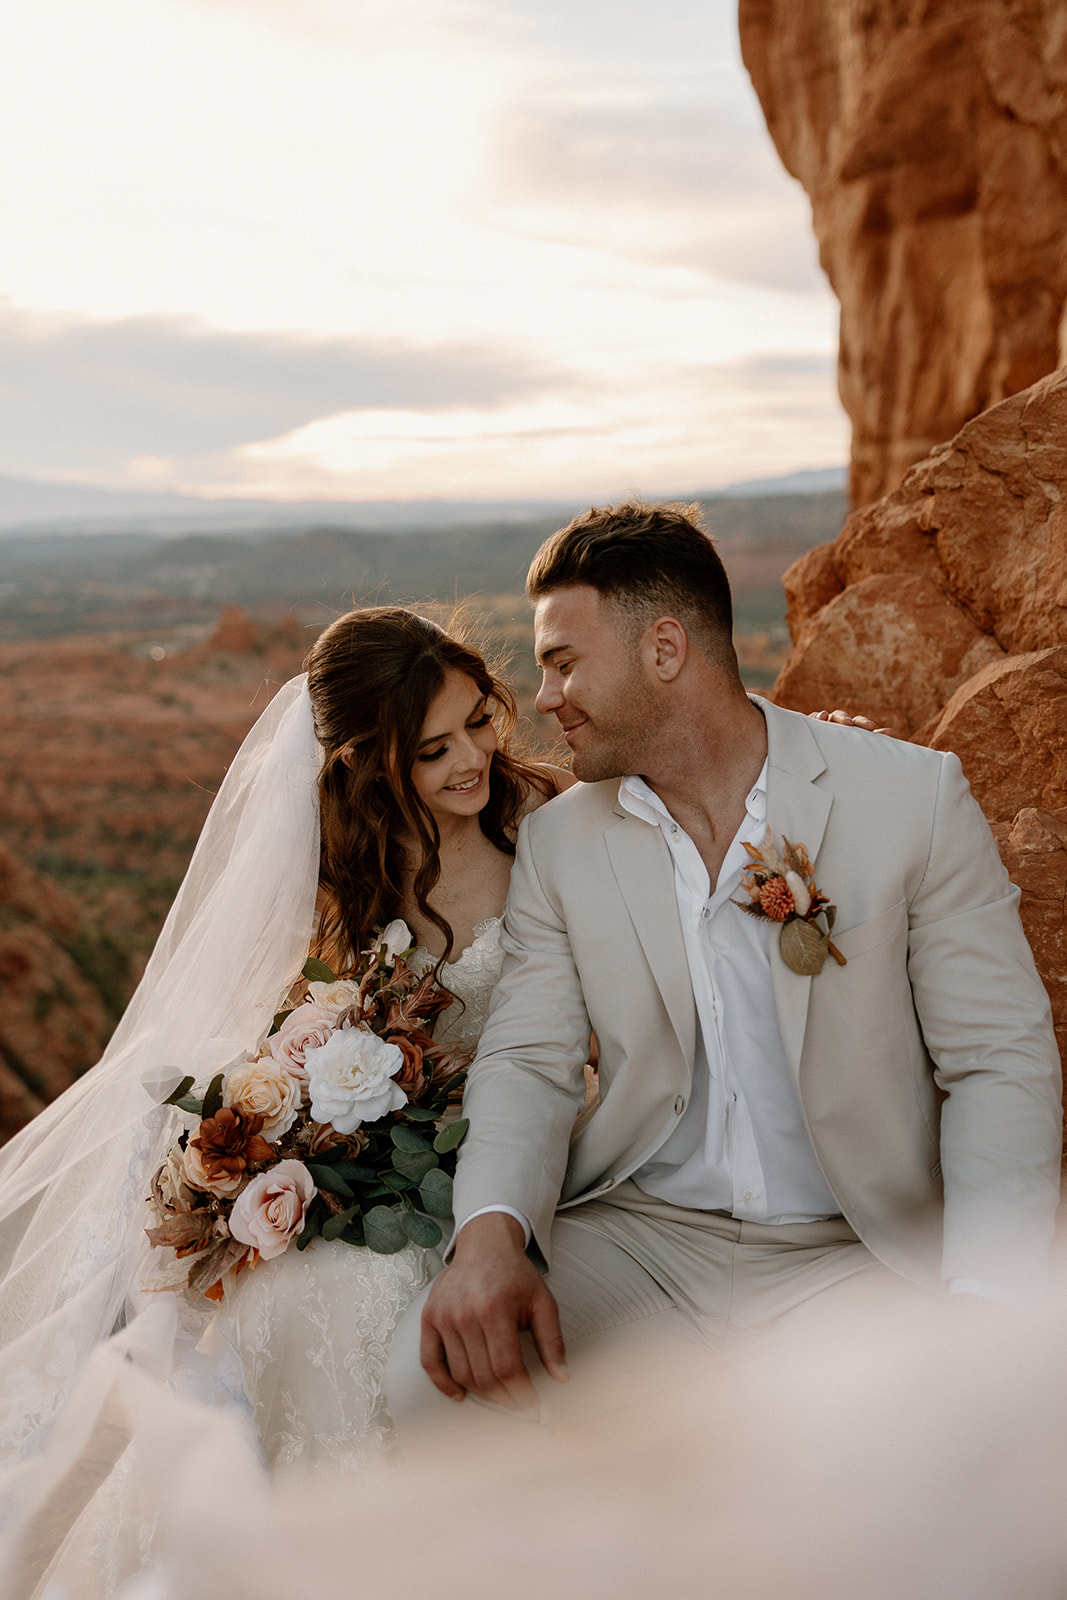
x=472, y=727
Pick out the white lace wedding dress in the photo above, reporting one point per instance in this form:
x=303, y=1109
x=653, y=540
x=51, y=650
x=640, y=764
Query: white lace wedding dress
x=312, y=1328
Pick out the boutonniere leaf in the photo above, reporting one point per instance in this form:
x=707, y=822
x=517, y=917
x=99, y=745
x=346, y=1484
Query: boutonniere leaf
x=781, y=888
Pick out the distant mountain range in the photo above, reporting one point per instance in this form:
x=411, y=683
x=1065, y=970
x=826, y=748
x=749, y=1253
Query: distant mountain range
x=26, y=505
x=58, y=575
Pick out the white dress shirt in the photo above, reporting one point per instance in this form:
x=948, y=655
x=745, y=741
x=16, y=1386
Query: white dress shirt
x=741, y=1145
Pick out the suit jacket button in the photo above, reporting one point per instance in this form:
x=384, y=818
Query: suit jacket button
x=679, y=1105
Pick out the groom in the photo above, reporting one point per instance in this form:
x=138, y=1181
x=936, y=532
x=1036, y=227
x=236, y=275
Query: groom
x=766, y=1138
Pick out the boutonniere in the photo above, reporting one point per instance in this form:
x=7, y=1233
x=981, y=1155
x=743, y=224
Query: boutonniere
x=781, y=888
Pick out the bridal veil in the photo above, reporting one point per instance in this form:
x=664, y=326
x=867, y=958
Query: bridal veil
x=73, y=1183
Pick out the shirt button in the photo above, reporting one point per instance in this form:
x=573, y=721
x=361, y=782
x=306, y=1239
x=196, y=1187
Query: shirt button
x=748, y=1196
x=679, y=1105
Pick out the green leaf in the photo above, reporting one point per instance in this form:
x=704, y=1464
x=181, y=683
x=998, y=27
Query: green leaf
x=327, y=1178
x=213, y=1098
x=407, y=1138
x=421, y=1230
x=451, y=1135
x=187, y=1103
x=415, y=1163
x=177, y=1095
x=312, y=1225
x=830, y=913
x=419, y=1114
x=353, y=1234
x=316, y=971
x=333, y=1227
x=279, y=1018
x=803, y=947
x=384, y=1231
x=354, y=1172
x=435, y=1192
x=397, y=1183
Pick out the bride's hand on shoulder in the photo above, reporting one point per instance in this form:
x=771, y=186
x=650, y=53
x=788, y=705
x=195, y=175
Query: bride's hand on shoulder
x=847, y=721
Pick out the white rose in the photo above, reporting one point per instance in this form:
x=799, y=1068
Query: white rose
x=334, y=996
x=350, y=1079
x=303, y=1029
x=394, y=939
x=266, y=1089
x=271, y=1211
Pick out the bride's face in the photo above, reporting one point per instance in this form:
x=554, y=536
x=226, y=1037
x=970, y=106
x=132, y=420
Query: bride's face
x=451, y=771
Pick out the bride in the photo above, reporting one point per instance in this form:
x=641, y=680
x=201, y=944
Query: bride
x=419, y=803
x=382, y=786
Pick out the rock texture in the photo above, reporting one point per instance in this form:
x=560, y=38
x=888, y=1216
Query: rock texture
x=941, y=611
x=931, y=137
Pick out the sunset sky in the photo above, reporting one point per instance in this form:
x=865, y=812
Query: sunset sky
x=401, y=248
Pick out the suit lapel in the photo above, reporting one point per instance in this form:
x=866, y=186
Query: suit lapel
x=644, y=872
x=799, y=810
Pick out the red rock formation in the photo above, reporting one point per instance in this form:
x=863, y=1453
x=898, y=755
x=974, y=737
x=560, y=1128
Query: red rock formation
x=941, y=610
x=53, y=1023
x=931, y=136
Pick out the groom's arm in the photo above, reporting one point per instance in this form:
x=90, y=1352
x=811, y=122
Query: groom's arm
x=524, y=1091
x=986, y=1022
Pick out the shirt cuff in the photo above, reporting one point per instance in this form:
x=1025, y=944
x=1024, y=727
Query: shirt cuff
x=508, y=1211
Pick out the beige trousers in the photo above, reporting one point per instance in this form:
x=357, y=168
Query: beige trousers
x=645, y=1287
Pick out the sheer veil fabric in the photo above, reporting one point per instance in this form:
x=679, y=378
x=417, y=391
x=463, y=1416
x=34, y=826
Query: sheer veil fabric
x=73, y=1183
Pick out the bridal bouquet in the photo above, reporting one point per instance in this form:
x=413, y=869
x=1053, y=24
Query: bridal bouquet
x=333, y=1127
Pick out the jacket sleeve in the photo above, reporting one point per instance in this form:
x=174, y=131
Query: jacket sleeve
x=527, y=1083
x=987, y=1025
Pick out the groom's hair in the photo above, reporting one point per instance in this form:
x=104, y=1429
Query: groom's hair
x=646, y=560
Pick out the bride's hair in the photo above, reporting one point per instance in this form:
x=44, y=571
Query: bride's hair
x=372, y=676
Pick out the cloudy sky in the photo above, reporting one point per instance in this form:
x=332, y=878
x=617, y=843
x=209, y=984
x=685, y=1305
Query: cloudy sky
x=400, y=248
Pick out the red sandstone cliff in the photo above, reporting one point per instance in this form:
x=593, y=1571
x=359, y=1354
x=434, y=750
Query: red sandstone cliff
x=931, y=137
x=941, y=610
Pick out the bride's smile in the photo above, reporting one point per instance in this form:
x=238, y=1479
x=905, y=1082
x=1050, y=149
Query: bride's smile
x=456, y=745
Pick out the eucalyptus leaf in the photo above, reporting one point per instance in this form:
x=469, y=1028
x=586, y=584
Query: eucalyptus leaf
x=187, y=1103
x=354, y=1172
x=415, y=1163
x=177, y=1095
x=213, y=1098
x=316, y=971
x=407, y=1138
x=279, y=1018
x=435, y=1192
x=420, y=1114
x=333, y=1227
x=353, y=1234
x=451, y=1136
x=383, y=1230
x=803, y=947
x=327, y=1178
x=312, y=1226
x=421, y=1230
x=397, y=1182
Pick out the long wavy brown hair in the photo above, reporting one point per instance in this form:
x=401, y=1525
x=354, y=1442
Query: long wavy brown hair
x=372, y=676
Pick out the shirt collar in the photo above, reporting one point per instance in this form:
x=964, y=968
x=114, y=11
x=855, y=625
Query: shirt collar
x=636, y=797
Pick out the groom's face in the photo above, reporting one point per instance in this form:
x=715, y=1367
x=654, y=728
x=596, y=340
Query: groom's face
x=592, y=683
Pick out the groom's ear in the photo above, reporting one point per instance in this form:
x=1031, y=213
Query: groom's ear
x=665, y=646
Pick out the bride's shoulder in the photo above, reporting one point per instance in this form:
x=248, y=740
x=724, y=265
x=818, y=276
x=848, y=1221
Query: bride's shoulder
x=558, y=779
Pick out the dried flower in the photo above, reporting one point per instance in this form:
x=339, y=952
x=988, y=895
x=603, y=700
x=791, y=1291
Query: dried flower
x=225, y=1146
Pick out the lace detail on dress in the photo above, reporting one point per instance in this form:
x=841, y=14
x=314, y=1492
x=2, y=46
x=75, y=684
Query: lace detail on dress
x=472, y=977
x=312, y=1328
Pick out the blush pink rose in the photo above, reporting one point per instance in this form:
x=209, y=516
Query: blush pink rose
x=270, y=1213
x=306, y=1028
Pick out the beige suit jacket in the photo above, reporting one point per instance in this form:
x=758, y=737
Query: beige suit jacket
x=926, y=1067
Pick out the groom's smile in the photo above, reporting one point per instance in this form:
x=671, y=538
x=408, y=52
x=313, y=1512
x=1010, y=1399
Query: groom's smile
x=591, y=682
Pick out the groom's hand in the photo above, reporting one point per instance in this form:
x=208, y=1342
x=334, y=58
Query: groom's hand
x=475, y=1311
